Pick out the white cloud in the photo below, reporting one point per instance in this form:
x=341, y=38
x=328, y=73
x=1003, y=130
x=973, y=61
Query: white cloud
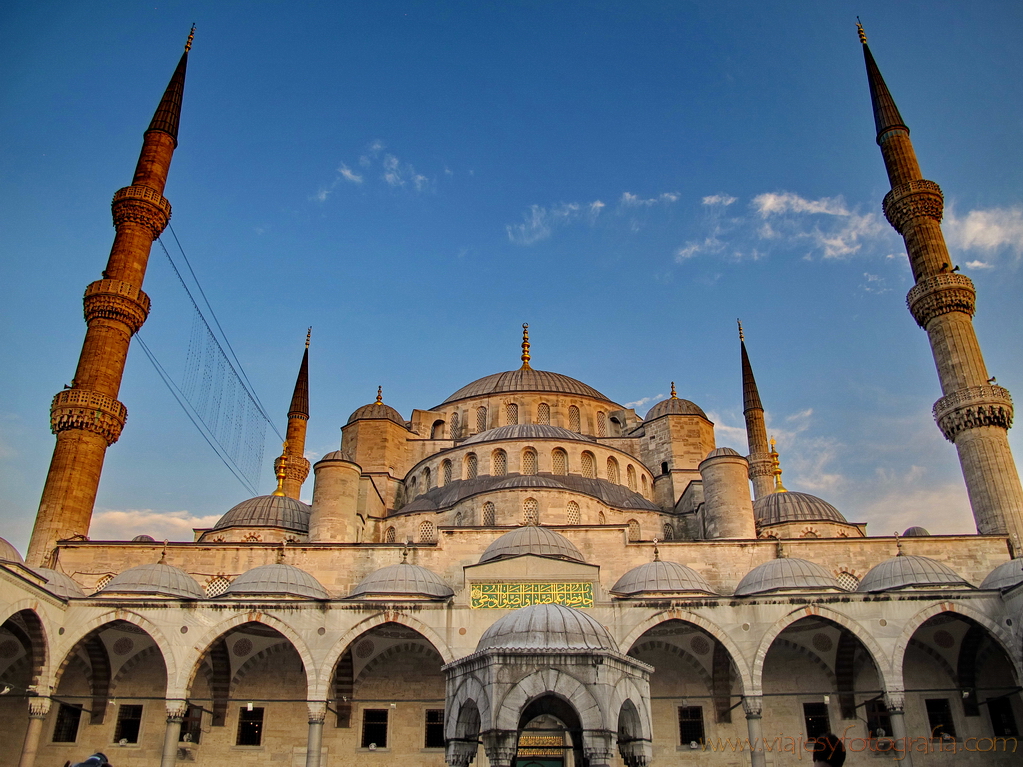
x=910, y=498
x=539, y=222
x=875, y=283
x=348, y=175
x=979, y=265
x=644, y=401
x=989, y=231
x=124, y=525
x=629, y=200
x=776, y=203
x=690, y=249
x=719, y=199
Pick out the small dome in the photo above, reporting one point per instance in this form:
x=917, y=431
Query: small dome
x=377, y=411
x=338, y=455
x=902, y=572
x=1004, y=576
x=547, y=627
x=276, y=580
x=915, y=532
x=663, y=577
x=528, y=480
x=526, y=431
x=532, y=539
x=525, y=379
x=58, y=583
x=162, y=580
x=9, y=554
x=722, y=451
x=143, y=539
x=776, y=508
x=786, y=574
x=268, y=511
x=402, y=580
x=674, y=406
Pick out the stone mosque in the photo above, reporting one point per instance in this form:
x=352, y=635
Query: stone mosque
x=526, y=574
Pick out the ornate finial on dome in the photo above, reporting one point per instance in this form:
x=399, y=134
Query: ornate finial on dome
x=404, y=552
x=308, y=336
x=776, y=469
x=739, y=323
x=673, y=394
x=380, y=395
x=282, y=470
x=860, y=32
x=898, y=544
x=163, y=554
x=779, y=551
x=525, y=346
x=657, y=554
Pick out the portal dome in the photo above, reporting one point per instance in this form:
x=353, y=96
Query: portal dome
x=526, y=431
x=525, y=380
x=58, y=583
x=9, y=554
x=402, y=580
x=547, y=627
x=268, y=511
x=276, y=580
x=789, y=573
x=661, y=577
x=156, y=580
x=904, y=571
x=1004, y=576
x=674, y=406
x=776, y=508
x=532, y=539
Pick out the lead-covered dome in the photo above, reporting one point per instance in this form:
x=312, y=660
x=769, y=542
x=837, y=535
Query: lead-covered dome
x=377, y=411
x=547, y=627
x=905, y=571
x=1006, y=575
x=674, y=406
x=154, y=580
x=268, y=511
x=532, y=539
x=525, y=380
x=527, y=431
x=661, y=577
x=58, y=583
x=915, y=532
x=787, y=574
x=9, y=554
x=789, y=506
x=276, y=580
x=402, y=581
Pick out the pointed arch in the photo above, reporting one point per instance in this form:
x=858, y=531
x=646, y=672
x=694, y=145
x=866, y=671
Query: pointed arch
x=38, y=649
x=550, y=682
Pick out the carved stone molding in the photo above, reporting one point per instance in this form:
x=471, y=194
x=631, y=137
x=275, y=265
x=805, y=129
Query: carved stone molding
x=297, y=467
x=501, y=746
x=116, y=300
x=38, y=708
x=461, y=753
x=914, y=199
x=753, y=705
x=895, y=702
x=975, y=406
x=141, y=205
x=176, y=710
x=760, y=465
x=941, y=294
x=88, y=410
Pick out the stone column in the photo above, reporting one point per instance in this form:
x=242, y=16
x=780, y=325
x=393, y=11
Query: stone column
x=314, y=740
x=754, y=707
x=38, y=709
x=895, y=702
x=598, y=747
x=500, y=746
x=172, y=735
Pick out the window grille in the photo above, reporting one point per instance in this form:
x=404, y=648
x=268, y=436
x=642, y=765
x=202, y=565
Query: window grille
x=543, y=414
x=690, y=725
x=879, y=721
x=573, y=513
x=488, y=514
x=530, y=512
x=848, y=581
x=634, y=531
x=589, y=465
x=374, y=728
x=612, y=471
x=481, y=419
x=191, y=725
x=102, y=582
x=601, y=423
x=573, y=419
x=446, y=471
x=529, y=461
x=669, y=532
x=939, y=718
x=250, y=726
x=389, y=534
x=66, y=728
x=511, y=413
x=500, y=463
x=129, y=722
x=630, y=477
x=427, y=479
x=559, y=461
x=434, y=728
x=427, y=533
x=217, y=586
x=817, y=720
x=456, y=428
x=471, y=468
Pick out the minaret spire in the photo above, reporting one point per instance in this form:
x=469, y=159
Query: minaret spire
x=525, y=346
x=297, y=465
x=973, y=412
x=760, y=467
x=87, y=417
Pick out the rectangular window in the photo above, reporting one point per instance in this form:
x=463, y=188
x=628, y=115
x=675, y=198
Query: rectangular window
x=250, y=726
x=879, y=722
x=434, y=728
x=939, y=717
x=191, y=725
x=690, y=725
x=374, y=728
x=66, y=728
x=129, y=722
x=1003, y=722
x=817, y=720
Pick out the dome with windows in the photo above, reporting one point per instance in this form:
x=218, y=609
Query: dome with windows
x=674, y=406
x=788, y=573
x=276, y=580
x=9, y=554
x=532, y=539
x=525, y=379
x=402, y=581
x=1005, y=576
x=903, y=571
x=790, y=506
x=377, y=411
x=58, y=583
x=547, y=627
x=527, y=431
x=659, y=577
x=268, y=511
x=154, y=580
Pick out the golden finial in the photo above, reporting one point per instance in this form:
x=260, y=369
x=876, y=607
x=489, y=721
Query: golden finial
x=673, y=394
x=380, y=395
x=191, y=37
x=525, y=345
x=776, y=469
x=860, y=32
x=308, y=336
x=739, y=323
x=282, y=465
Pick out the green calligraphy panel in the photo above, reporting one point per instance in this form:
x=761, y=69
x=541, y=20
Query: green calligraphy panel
x=509, y=596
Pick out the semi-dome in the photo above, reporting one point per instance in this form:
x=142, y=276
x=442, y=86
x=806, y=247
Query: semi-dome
x=789, y=573
x=154, y=580
x=526, y=431
x=776, y=508
x=661, y=577
x=58, y=583
x=9, y=554
x=276, y=580
x=674, y=406
x=402, y=581
x=377, y=411
x=268, y=511
x=547, y=627
x=903, y=571
x=525, y=380
x=532, y=539
x=1006, y=575
x=915, y=532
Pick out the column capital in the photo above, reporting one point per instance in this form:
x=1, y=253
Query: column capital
x=176, y=709
x=38, y=708
x=317, y=711
x=895, y=701
x=753, y=705
x=500, y=746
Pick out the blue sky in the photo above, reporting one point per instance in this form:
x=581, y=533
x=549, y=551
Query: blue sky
x=415, y=180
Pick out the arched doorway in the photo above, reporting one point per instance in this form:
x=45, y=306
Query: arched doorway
x=550, y=734
x=22, y=659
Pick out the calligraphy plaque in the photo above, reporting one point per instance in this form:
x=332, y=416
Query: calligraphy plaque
x=510, y=596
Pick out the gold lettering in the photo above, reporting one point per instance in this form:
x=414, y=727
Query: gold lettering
x=510, y=596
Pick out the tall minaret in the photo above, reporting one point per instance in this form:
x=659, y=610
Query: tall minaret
x=86, y=417
x=296, y=465
x=761, y=470
x=973, y=413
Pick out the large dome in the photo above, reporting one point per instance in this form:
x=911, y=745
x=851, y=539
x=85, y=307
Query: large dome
x=786, y=574
x=1004, y=576
x=276, y=580
x=776, y=508
x=525, y=379
x=58, y=583
x=402, y=580
x=532, y=539
x=547, y=627
x=526, y=431
x=661, y=577
x=377, y=411
x=159, y=580
x=674, y=406
x=902, y=571
x=268, y=511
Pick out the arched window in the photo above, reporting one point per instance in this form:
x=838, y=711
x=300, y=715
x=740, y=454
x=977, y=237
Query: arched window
x=511, y=413
x=481, y=419
x=642, y=478
x=664, y=467
x=499, y=462
x=103, y=581
x=572, y=512
x=612, y=471
x=559, y=462
x=426, y=533
x=471, y=467
x=413, y=485
x=488, y=515
x=389, y=535
x=630, y=477
x=634, y=531
x=601, y=519
x=601, y=423
x=543, y=414
x=573, y=419
x=589, y=465
x=669, y=532
x=456, y=427
x=848, y=581
x=427, y=479
x=529, y=461
x=458, y=519
x=437, y=430
x=445, y=469
x=217, y=586
x=530, y=512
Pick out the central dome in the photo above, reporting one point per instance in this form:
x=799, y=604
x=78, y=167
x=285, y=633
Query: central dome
x=527, y=431
x=547, y=627
x=525, y=379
